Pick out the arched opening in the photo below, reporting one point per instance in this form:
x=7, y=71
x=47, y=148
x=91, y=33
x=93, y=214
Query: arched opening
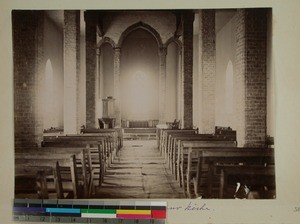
x=105, y=79
x=49, y=118
x=229, y=96
x=225, y=101
x=229, y=106
x=139, y=76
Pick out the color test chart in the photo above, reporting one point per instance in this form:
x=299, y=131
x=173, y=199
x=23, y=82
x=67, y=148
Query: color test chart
x=86, y=211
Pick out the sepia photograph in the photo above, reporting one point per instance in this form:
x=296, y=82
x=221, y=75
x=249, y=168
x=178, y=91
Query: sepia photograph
x=189, y=110
x=143, y=104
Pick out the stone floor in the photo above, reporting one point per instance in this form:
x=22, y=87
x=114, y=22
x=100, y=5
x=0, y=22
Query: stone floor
x=139, y=172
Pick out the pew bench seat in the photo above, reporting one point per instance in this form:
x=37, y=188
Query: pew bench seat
x=208, y=158
x=258, y=178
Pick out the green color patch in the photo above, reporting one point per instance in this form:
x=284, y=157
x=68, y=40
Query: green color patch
x=100, y=211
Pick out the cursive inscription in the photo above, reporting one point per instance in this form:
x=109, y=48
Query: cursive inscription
x=191, y=206
x=175, y=208
x=194, y=207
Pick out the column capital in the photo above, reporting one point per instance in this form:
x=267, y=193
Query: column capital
x=117, y=49
x=162, y=51
x=98, y=51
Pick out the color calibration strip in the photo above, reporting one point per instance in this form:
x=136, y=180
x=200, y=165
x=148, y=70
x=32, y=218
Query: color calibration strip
x=78, y=211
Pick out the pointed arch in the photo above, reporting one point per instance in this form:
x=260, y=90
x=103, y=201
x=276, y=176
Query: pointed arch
x=175, y=40
x=106, y=40
x=140, y=25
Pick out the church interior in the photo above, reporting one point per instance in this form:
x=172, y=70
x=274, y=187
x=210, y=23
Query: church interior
x=144, y=103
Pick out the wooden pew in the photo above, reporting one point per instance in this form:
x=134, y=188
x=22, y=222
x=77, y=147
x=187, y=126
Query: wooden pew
x=67, y=173
x=97, y=160
x=117, y=131
x=99, y=156
x=164, y=137
x=207, y=158
x=184, y=159
x=174, y=140
x=97, y=165
x=160, y=137
x=159, y=129
x=77, y=140
x=84, y=139
x=102, y=147
x=108, y=144
x=259, y=178
x=69, y=178
x=184, y=144
x=42, y=167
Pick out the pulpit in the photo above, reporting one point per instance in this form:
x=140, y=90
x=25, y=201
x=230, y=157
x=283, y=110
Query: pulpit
x=108, y=114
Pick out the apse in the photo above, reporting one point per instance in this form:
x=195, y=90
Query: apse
x=139, y=77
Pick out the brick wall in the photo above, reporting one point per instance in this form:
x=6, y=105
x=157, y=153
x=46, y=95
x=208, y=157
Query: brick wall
x=28, y=63
x=251, y=76
x=208, y=65
x=117, y=58
x=240, y=76
x=188, y=19
x=90, y=37
x=255, y=93
x=71, y=71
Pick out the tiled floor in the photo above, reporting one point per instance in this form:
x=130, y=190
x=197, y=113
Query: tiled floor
x=139, y=172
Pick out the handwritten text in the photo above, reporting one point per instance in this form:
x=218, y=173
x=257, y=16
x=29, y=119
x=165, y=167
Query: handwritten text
x=191, y=206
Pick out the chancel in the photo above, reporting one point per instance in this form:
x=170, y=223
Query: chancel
x=144, y=103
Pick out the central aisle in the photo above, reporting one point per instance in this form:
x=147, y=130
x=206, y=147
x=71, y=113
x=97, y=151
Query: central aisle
x=139, y=172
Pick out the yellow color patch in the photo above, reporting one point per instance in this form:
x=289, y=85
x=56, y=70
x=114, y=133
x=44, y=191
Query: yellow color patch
x=134, y=212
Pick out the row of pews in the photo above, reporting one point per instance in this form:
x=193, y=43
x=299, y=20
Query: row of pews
x=66, y=166
x=212, y=166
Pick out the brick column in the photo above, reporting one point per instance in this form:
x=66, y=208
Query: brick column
x=208, y=70
x=91, y=67
x=71, y=70
x=187, y=19
x=250, y=85
x=28, y=37
x=240, y=76
x=117, y=56
x=162, y=84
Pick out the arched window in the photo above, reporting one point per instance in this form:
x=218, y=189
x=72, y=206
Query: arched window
x=48, y=112
x=229, y=108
